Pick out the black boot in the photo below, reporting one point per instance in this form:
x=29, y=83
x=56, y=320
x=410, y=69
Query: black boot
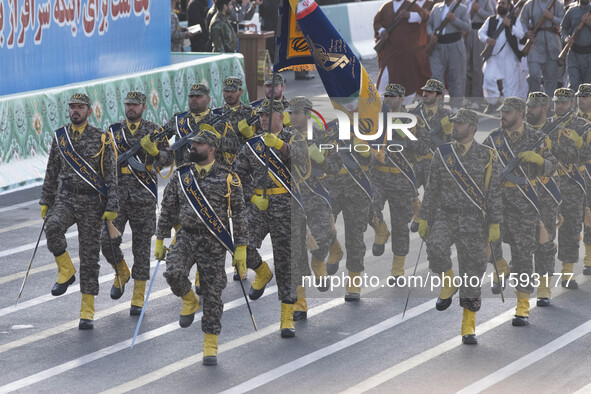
x=60, y=288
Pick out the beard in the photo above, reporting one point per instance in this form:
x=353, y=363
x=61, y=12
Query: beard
x=197, y=157
x=502, y=11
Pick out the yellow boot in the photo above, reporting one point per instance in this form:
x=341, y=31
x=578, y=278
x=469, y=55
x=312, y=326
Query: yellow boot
x=382, y=235
x=353, y=291
x=65, y=274
x=190, y=306
x=124, y=276
x=197, y=284
x=469, y=328
x=414, y=225
x=137, y=300
x=300, y=308
x=568, y=278
x=504, y=272
x=587, y=260
x=263, y=276
x=397, y=270
x=287, y=326
x=86, y=312
x=335, y=254
x=210, y=349
x=320, y=273
x=544, y=291
x=447, y=290
x=522, y=311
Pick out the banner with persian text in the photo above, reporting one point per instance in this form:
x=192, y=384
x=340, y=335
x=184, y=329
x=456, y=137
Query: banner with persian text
x=45, y=43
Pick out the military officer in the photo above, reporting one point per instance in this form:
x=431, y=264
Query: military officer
x=138, y=195
x=584, y=101
x=221, y=33
x=278, y=90
x=520, y=208
x=241, y=113
x=203, y=179
x=273, y=214
x=82, y=157
x=465, y=211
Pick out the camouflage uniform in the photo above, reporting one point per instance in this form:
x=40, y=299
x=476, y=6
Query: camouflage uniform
x=277, y=219
x=76, y=202
x=239, y=113
x=195, y=244
x=520, y=218
x=430, y=121
x=221, y=34
x=585, y=90
x=573, y=196
x=177, y=36
x=389, y=184
x=136, y=203
x=454, y=219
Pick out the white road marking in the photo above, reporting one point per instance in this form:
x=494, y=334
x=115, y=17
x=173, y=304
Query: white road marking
x=21, y=205
x=21, y=225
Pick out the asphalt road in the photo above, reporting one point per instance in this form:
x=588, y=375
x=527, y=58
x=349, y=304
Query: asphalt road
x=341, y=347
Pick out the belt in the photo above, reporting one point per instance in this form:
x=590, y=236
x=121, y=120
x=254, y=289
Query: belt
x=584, y=49
x=391, y=170
x=126, y=170
x=477, y=25
x=449, y=38
x=428, y=156
x=84, y=191
x=195, y=231
x=511, y=184
x=461, y=210
x=343, y=170
x=271, y=191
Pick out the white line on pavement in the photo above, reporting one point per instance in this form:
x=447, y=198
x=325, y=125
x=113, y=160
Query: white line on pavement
x=21, y=205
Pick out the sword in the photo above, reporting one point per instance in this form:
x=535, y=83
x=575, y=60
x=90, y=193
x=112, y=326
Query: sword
x=30, y=263
x=139, y=323
x=113, y=255
x=492, y=253
x=413, y=274
x=247, y=303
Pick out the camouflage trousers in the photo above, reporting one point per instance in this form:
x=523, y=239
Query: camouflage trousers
x=318, y=214
x=545, y=253
x=349, y=198
x=275, y=221
x=208, y=253
x=142, y=220
x=468, y=234
x=587, y=229
x=572, y=210
x=519, y=231
x=85, y=212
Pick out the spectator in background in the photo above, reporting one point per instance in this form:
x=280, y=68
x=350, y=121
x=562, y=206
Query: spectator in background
x=196, y=15
x=210, y=13
x=240, y=11
x=177, y=33
x=268, y=14
x=223, y=37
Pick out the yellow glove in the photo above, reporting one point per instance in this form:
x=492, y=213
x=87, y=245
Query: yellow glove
x=109, y=215
x=316, y=154
x=160, y=250
x=44, y=209
x=494, y=232
x=577, y=138
x=239, y=260
x=531, y=157
x=446, y=125
x=208, y=127
x=261, y=202
x=272, y=141
x=245, y=129
x=423, y=229
x=358, y=142
x=149, y=146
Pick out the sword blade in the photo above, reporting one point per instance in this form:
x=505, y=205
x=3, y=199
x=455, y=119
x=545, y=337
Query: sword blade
x=30, y=263
x=414, y=273
x=139, y=323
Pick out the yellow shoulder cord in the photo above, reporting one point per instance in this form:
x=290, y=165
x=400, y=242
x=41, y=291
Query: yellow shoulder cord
x=231, y=182
x=102, y=151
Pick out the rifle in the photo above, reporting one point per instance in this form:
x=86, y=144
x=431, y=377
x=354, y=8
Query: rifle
x=433, y=132
x=488, y=49
x=382, y=41
x=530, y=42
x=185, y=140
x=127, y=157
x=570, y=43
x=432, y=40
x=549, y=128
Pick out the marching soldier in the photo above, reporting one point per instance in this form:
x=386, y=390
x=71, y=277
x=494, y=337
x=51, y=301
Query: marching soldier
x=520, y=201
x=463, y=206
x=204, y=194
x=395, y=181
x=579, y=56
x=138, y=195
x=542, y=58
x=82, y=157
x=563, y=147
x=279, y=90
x=572, y=186
x=584, y=101
x=273, y=214
x=232, y=91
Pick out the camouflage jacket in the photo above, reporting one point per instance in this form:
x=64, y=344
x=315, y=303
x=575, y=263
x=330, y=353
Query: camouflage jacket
x=253, y=173
x=241, y=112
x=429, y=124
x=222, y=34
x=215, y=187
x=562, y=144
x=96, y=148
x=128, y=185
x=177, y=37
x=443, y=193
x=581, y=126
